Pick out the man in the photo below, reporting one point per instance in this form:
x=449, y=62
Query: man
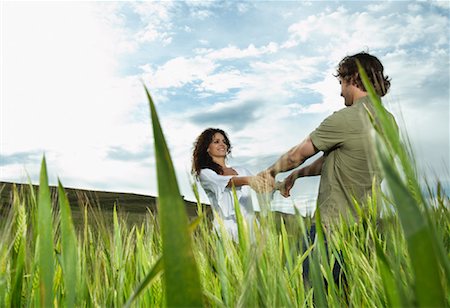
x=348, y=166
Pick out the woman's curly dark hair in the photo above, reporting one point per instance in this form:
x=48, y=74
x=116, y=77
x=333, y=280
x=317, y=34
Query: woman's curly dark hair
x=200, y=156
x=348, y=71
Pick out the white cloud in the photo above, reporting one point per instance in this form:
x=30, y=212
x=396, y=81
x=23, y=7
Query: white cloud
x=224, y=81
x=284, y=76
x=441, y=4
x=281, y=74
x=341, y=31
x=410, y=73
x=157, y=17
x=378, y=7
x=243, y=7
x=201, y=14
x=233, y=52
x=148, y=34
x=414, y=7
x=61, y=91
x=178, y=72
x=331, y=25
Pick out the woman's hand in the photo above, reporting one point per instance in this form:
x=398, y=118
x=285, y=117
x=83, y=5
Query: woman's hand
x=262, y=184
x=267, y=176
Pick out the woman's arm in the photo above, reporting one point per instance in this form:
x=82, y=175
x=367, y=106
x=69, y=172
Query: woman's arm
x=239, y=181
x=257, y=183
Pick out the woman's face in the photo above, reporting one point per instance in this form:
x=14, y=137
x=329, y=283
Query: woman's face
x=218, y=147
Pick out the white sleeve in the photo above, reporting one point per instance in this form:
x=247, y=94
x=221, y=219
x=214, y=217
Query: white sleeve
x=242, y=171
x=214, y=183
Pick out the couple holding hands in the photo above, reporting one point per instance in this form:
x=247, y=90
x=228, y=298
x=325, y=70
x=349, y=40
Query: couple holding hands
x=348, y=166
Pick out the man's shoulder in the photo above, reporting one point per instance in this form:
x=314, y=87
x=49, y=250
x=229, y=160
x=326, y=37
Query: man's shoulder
x=336, y=117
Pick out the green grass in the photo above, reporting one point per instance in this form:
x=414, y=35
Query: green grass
x=399, y=260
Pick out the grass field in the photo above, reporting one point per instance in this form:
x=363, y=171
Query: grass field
x=132, y=207
x=169, y=260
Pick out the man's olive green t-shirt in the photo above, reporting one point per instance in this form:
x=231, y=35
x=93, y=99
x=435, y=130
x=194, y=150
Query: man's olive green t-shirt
x=346, y=138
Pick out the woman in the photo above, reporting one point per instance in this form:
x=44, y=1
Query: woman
x=217, y=179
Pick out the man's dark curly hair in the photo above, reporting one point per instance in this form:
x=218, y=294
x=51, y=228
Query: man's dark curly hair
x=200, y=156
x=348, y=71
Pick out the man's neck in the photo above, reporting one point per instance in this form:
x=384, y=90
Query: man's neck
x=359, y=94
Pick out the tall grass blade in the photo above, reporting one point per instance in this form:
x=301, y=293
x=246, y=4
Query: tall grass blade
x=243, y=229
x=394, y=293
x=317, y=258
x=424, y=260
x=286, y=247
x=194, y=223
x=182, y=281
x=69, y=250
x=18, y=253
x=423, y=246
x=156, y=269
x=45, y=239
x=152, y=274
x=18, y=265
x=118, y=252
x=222, y=272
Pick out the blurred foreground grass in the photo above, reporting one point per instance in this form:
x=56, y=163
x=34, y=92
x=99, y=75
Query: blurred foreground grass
x=109, y=259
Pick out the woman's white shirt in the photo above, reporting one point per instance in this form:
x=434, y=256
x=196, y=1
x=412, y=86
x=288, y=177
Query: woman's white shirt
x=222, y=200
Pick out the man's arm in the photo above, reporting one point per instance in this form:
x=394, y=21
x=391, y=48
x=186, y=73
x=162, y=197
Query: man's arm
x=293, y=158
x=313, y=169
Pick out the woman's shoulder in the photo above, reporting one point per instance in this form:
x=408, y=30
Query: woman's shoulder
x=206, y=171
x=242, y=171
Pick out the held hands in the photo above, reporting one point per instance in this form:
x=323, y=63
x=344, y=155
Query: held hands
x=262, y=184
x=284, y=187
x=269, y=181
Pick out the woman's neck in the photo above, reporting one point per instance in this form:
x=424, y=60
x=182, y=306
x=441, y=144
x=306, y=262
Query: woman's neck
x=220, y=161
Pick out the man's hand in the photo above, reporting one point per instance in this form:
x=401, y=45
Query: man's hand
x=285, y=186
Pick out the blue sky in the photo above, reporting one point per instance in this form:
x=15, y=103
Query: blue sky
x=72, y=72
